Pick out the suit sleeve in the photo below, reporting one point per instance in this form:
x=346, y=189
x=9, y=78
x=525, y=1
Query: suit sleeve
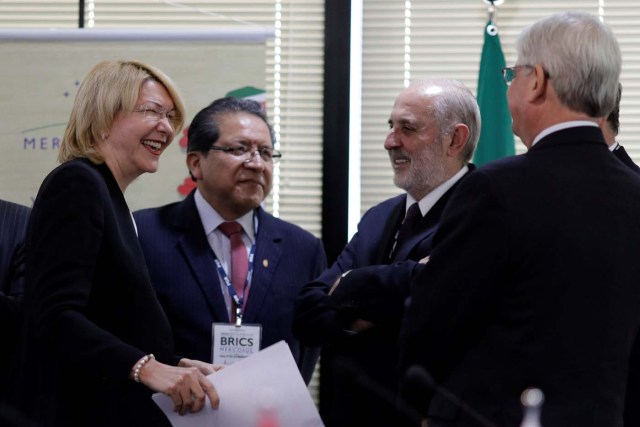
x=454, y=295
x=316, y=321
x=68, y=223
x=375, y=293
x=309, y=353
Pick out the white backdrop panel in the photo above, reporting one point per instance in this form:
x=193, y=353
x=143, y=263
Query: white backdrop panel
x=40, y=80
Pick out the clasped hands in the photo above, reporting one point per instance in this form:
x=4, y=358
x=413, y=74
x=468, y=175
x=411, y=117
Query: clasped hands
x=186, y=384
x=360, y=325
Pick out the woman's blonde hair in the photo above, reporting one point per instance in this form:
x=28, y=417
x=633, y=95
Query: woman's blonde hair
x=110, y=87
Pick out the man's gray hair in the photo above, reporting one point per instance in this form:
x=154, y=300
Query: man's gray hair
x=455, y=104
x=581, y=56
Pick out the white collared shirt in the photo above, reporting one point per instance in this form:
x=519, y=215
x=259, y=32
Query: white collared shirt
x=428, y=201
x=561, y=126
x=219, y=243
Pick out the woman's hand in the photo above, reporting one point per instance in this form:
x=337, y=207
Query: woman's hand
x=187, y=386
x=204, y=367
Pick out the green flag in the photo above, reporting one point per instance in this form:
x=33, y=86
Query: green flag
x=496, y=137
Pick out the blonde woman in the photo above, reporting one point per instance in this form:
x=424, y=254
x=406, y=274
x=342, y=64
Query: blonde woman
x=97, y=343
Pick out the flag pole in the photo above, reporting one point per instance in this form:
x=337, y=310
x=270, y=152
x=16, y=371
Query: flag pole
x=492, y=9
x=492, y=12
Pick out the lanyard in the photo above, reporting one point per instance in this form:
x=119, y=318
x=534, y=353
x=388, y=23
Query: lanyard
x=239, y=299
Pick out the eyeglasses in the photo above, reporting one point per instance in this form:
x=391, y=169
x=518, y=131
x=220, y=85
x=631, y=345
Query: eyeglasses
x=509, y=73
x=246, y=153
x=155, y=114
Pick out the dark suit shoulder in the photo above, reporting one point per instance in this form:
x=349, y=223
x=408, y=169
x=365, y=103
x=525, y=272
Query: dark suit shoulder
x=13, y=210
x=379, y=216
x=281, y=226
x=72, y=168
x=157, y=213
x=622, y=155
x=387, y=204
x=83, y=182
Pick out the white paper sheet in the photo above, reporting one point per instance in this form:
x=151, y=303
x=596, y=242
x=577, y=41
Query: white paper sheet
x=268, y=381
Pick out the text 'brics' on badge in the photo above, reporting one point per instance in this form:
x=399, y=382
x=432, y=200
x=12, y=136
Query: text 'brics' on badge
x=232, y=343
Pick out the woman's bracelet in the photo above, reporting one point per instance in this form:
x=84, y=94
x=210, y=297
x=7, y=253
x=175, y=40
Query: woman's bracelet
x=138, y=366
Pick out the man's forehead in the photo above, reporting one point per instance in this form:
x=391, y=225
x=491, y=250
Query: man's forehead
x=411, y=108
x=419, y=94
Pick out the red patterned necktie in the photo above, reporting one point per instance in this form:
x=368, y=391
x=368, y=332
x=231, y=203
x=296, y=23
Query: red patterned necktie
x=239, y=259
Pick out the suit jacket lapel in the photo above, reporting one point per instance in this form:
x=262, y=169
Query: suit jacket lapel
x=194, y=246
x=426, y=227
x=390, y=227
x=269, y=243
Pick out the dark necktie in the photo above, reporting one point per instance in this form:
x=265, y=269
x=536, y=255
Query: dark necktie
x=239, y=259
x=406, y=228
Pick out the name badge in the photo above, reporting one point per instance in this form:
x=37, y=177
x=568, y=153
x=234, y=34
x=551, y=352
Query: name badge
x=232, y=343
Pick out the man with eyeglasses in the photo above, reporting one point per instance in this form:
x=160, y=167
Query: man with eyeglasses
x=227, y=272
x=533, y=279
x=355, y=307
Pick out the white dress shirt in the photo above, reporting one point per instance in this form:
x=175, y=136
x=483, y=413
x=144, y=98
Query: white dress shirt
x=219, y=243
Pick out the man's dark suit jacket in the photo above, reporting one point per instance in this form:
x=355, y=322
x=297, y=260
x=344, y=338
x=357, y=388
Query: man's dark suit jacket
x=185, y=277
x=632, y=408
x=91, y=312
x=622, y=155
x=533, y=281
x=358, y=371
x=13, y=226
